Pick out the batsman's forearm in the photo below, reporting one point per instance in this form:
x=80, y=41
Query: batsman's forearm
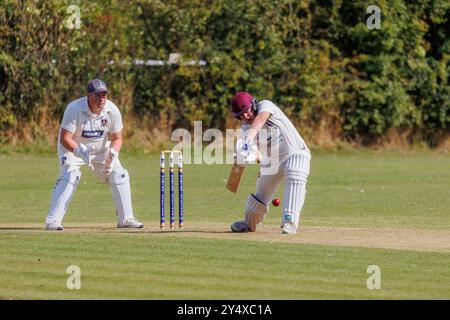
x=252, y=132
x=257, y=124
x=254, y=129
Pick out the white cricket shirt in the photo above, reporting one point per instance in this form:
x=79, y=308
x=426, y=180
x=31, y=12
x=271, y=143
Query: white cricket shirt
x=89, y=129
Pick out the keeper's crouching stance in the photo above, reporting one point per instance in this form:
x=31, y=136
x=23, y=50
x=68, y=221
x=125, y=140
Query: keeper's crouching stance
x=83, y=139
x=293, y=158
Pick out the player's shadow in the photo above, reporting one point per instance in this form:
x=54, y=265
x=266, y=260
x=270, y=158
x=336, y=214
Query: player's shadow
x=111, y=229
x=20, y=228
x=186, y=231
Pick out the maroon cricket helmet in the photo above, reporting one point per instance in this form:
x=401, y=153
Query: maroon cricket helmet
x=241, y=102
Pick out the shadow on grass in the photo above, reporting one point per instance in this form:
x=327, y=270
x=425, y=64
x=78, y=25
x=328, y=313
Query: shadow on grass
x=21, y=228
x=97, y=229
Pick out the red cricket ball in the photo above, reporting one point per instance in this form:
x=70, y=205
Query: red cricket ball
x=276, y=202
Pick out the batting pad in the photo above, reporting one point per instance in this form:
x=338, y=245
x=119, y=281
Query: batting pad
x=121, y=193
x=255, y=212
x=65, y=187
x=296, y=174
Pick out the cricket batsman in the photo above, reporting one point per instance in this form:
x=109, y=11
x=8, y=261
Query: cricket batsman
x=292, y=157
x=91, y=134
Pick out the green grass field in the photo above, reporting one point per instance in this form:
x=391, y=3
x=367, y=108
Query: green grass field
x=362, y=208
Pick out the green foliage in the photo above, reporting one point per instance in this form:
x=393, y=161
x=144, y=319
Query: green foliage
x=316, y=59
x=396, y=82
x=45, y=63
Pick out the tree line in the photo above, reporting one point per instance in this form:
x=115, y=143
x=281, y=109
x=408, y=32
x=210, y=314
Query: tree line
x=335, y=77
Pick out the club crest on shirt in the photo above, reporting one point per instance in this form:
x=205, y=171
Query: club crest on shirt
x=104, y=122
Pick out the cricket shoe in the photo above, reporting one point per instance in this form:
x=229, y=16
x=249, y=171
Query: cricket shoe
x=240, y=226
x=53, y=225
x=288, y=228
x=131, y=223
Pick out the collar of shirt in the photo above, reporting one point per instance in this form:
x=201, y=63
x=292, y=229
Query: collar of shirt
x=85, y=108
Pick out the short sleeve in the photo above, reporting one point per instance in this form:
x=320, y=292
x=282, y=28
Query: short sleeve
x=117, y=123
x=267, y=106
x=70, y=119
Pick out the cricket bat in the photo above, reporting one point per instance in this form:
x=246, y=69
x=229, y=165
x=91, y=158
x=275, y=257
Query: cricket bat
x=235, y=177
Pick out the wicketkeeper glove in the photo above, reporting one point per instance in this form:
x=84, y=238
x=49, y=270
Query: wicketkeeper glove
x=111, y=157
x=83, y=153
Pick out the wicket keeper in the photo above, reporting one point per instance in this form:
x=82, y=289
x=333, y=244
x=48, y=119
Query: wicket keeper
x=91, y=134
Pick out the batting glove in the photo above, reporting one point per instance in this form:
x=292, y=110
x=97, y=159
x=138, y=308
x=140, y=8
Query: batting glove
x=247, y=151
